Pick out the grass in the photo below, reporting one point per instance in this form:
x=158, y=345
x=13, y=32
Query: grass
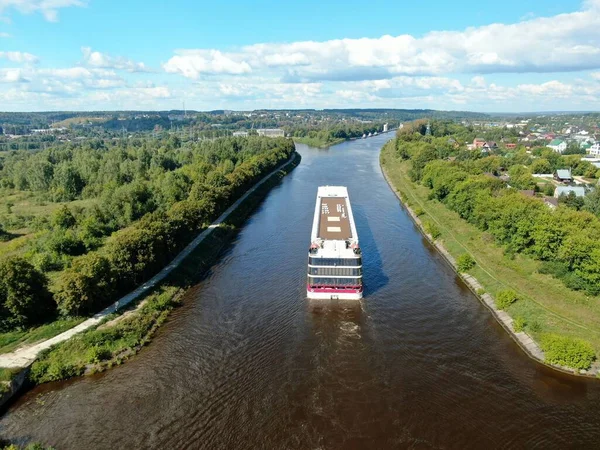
x=545, y=303
x=317, y=142
x=11, y=340
x=99, y=348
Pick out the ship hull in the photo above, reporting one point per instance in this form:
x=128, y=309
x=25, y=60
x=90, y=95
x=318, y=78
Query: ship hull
x=334, y=294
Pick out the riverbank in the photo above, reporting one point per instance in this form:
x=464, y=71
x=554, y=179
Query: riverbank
x=542, y=306
x=317, y=142
x=102, y=341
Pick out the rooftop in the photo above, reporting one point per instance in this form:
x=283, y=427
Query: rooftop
x=334, y=223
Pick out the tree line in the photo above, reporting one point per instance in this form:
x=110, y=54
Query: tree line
x=565, y=239
x=149, y=203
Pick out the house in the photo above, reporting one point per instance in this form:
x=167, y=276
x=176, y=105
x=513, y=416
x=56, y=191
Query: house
x=527, y=192
x=510, y=145
x=271, y=132
x=594, y=150
x=478, y=142
x=551, y=202
x=557, y=145
x=240, y=133
x=579, y=191
x=563, y=175
x=489, y=145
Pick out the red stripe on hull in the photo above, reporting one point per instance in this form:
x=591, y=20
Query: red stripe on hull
x=334, y=290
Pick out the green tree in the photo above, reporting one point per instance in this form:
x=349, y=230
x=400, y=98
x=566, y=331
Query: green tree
x=24, y=294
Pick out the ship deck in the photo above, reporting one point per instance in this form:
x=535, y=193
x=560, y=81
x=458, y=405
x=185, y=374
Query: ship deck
x=334, y=223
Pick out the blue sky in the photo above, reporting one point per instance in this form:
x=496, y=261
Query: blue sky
x=469, y=55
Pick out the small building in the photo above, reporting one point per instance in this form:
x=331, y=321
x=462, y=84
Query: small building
x=489, y=145
x=557, y=145
x=579, y=191
x=271, y=132
x=478, y=143
x=527, y=192
x=385, y=127
x=594, y=150
x=511, y=145
x=551, y=202
x=240, y=133
x=563, y=175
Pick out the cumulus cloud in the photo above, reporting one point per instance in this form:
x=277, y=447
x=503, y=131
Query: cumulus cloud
x=96, y=59
x=565, y=42
x=48, y=8
x=4, y=34
x=11, y=76
x=193, y=63
x=19, y=57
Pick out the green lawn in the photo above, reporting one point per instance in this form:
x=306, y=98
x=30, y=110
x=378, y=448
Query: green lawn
x=547, y=305
x=11, y=340
x=318, y=143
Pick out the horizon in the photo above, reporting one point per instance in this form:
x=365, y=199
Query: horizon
x=514, y=58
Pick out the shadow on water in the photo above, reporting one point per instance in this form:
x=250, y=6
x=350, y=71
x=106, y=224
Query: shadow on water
x=372, y=263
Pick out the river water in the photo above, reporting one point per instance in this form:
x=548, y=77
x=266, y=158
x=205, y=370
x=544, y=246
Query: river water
x=249, y=362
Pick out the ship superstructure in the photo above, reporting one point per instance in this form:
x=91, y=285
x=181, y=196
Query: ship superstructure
x=334, y=256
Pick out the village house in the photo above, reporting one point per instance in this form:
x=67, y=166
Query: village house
x=594, y=150
x=557, y=145
x=563, y=175
x=478, y=142
x=511, y=145
x=579, y=191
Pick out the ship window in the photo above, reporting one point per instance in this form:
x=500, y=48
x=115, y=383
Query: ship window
x=335, y=281
x=333, y=271
x=335, y=261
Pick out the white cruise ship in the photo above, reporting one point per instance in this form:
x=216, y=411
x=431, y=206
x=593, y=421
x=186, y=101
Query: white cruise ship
x=334, y=257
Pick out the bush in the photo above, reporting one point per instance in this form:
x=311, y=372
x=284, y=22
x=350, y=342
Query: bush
x=419, y=212
x=465, y=262
x=432, y=229
x=506, y=298
x=24, y=295
x=519, y=324
x=567, y=351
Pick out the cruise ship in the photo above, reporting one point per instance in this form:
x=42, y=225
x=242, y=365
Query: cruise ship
x=334, y=256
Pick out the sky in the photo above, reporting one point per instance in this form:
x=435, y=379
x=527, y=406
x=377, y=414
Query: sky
x=508, y=56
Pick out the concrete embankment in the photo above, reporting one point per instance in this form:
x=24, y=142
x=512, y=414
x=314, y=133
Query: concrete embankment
x=23, y=358
x=525, y=342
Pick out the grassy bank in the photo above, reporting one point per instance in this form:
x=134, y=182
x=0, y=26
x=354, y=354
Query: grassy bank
x=317, y=142
x=545, y=306
x=121, y=337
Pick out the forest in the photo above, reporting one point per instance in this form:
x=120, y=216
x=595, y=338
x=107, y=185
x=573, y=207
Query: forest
x=83, y=223
x=565, y=239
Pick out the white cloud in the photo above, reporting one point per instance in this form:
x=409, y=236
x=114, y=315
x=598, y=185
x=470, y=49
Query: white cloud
x=19, y=57
x=193, y=63
x=11, y=76
x=96, y=59
x=4, y=35
x=48, y=8
x=565, y=42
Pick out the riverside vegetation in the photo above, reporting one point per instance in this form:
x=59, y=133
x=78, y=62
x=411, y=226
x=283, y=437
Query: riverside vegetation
x=541, y=265
x=120, y=337
x=84, y=223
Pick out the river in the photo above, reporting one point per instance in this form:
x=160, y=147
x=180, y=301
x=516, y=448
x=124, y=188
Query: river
x=249, y=362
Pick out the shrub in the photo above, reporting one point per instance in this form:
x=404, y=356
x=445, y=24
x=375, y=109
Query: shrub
x=24, y=295
x=519, y=324
x=567, y=351
x=432, y=229
x=506, y=298
x=534, y=326
x=465, y=262
x=419, y=212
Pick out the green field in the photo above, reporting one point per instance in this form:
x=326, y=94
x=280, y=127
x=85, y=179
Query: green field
x=546, y=304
